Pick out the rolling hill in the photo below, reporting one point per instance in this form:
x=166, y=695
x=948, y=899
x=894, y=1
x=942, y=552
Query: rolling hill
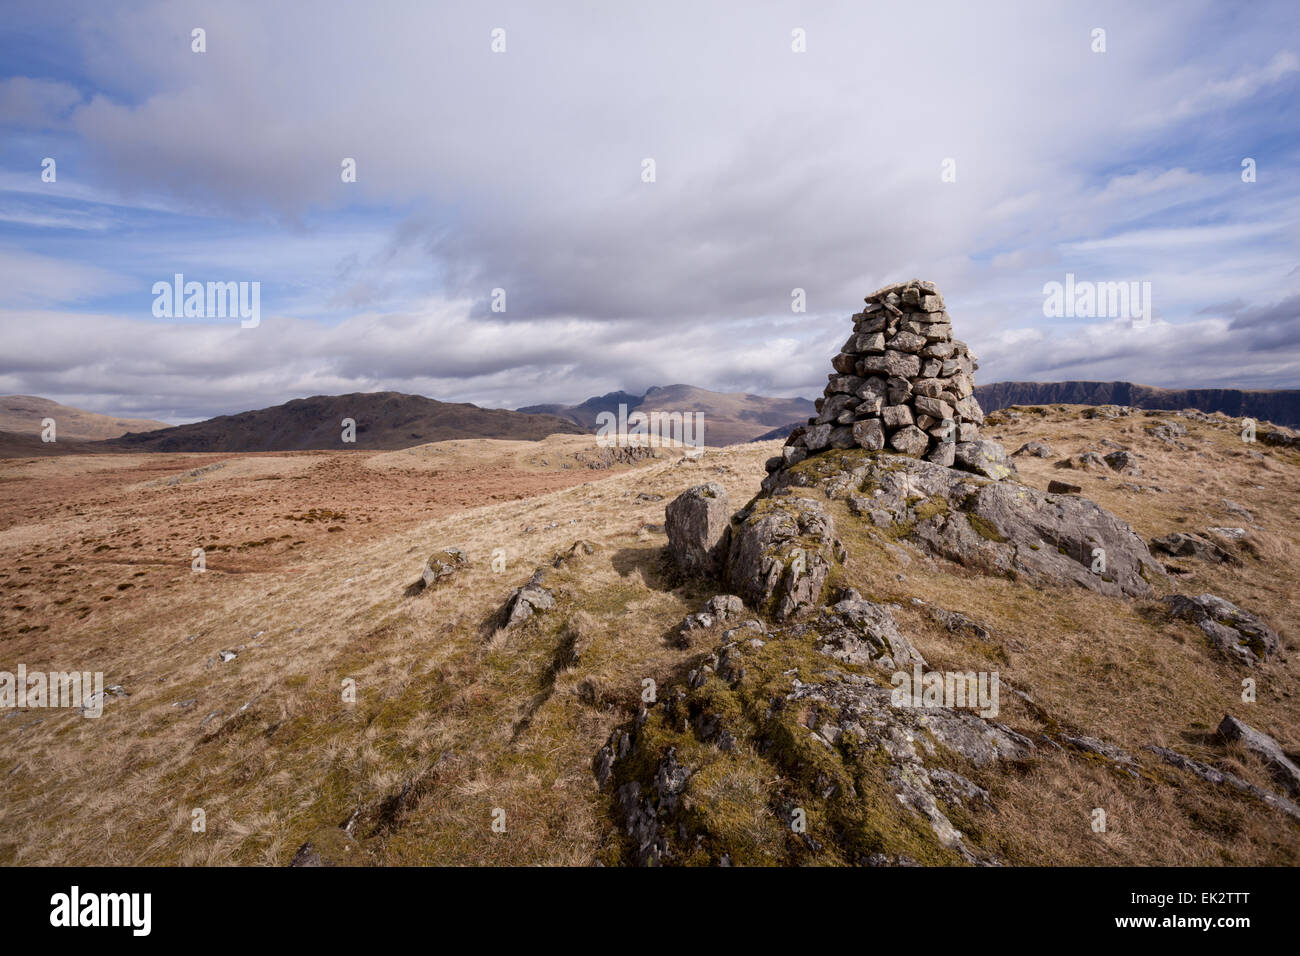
x=384, y=420
x=22, y=415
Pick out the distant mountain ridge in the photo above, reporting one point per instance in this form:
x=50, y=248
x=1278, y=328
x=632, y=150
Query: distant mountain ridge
x=384, y=420
x=23, y=414
x=1279, y=406
x=729, y=417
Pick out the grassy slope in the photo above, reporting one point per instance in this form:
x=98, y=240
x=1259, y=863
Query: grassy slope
x=460, y=720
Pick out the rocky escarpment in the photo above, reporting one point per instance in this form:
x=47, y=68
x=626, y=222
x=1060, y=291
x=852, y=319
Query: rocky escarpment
x=1275, y=405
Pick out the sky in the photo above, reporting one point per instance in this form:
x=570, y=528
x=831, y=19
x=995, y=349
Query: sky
x=832, y=148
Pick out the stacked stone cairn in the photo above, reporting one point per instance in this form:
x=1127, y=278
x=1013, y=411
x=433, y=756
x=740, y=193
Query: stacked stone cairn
x=901, y=383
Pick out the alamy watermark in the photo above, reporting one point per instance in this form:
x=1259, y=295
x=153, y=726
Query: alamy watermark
x=179, y=299
x=130, y=910
x=966, y=690
x=642, y=429
x=33, y=689
x=1098, y=300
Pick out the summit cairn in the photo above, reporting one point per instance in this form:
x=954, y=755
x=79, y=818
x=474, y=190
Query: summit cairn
x=901, y=382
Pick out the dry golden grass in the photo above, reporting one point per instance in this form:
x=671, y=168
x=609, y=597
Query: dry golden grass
x=454, y=719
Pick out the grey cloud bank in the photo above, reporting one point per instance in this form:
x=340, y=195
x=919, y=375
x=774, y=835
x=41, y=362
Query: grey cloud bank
x=775, y=170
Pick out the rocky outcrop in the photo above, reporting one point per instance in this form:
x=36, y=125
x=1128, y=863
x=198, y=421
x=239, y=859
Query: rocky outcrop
x=1213, y=775
x=1182, y=545
x=901, y=382
x=998, y=527
x=859, y=632
x=1240, y=635
x=782, y=549
x=790, y=748
x=1264, y=747
x=523, y=602
x=696, y=522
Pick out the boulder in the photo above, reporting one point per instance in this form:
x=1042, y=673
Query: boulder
x=781, y=552
x=696, y=522
x=1039, y=448
x=1125, y=462
x=523, y=602
x=1240, y=635
x=443, y=565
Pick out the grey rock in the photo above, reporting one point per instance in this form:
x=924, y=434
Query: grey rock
x=909, y=440
x=1181, y=545
x=896, y=416
x=998, y=527
x=932, y=407
x=893, y=362
x=944, y=453
x=792, y=455
x=443, y=565
x=781, y=552
x=986, y=458
x=869, y=434
x=906, y=342
x=696, y=522
x=523, y=602
x=817, y=437
x=1124, y=462
x=1240, y=635
x=1039, y=449
x=1264, y=747
x=841, y=437
x=1206, y=772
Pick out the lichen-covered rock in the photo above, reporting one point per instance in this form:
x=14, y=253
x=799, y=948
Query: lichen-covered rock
x=696, y=522
x=442, y=565
x=795, y=750
x=999, y=527
x=524, y=602
x=1182, y=545
x=862, y=633
x=781, y=552
x=986, y=458
x=1240, y=635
